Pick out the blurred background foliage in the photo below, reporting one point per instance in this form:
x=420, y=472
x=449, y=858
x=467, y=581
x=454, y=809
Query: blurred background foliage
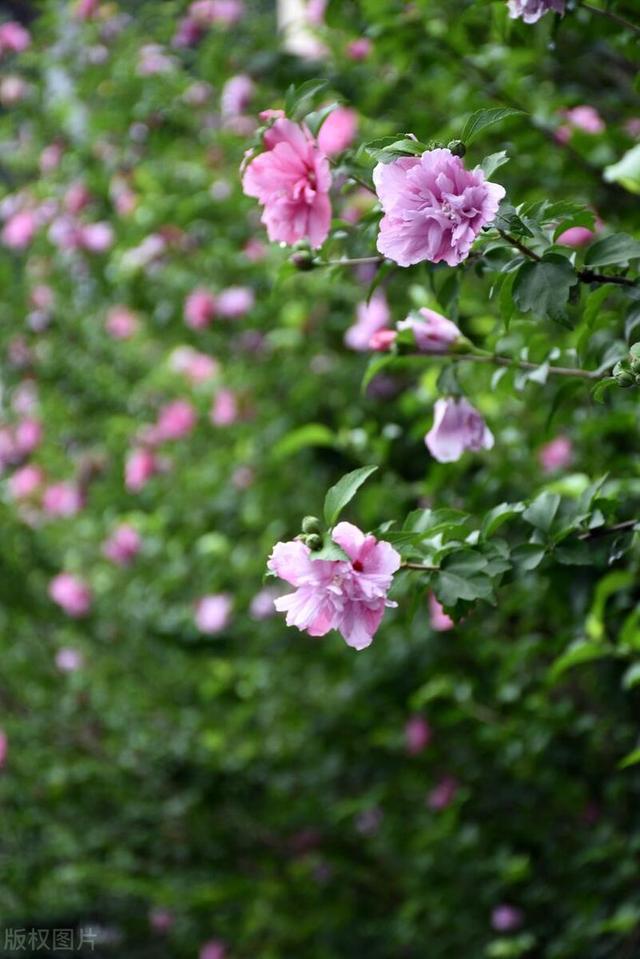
x=256, y=786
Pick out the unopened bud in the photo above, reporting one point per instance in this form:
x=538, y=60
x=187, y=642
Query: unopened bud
x=623, y=376
x=635, y=365
x=311, y=524
x=382, y=340
x=314, y=542
x=302, y=260
x=457, y=147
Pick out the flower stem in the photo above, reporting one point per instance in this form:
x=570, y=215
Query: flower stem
x=521, y=364
x=356, y=261
x=421, y=567
x=615, y=17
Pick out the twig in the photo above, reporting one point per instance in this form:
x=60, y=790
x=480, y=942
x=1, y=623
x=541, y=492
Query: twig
x=585, y=275
x=608, y=530
x=420, y=566
x=520, y=364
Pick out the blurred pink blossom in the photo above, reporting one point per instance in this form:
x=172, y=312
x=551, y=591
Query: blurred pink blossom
x=153, y=59
x=62, y=499
x=417, y=734
x=96, y=237
x=86, y=9
x=213, y=612
x=70, y=593
x=214, y=949
x=443, y=794
x=121, y=323
x=175, y=420
x=76, y=198
x=69, y=660
x=359, y=49
x=26, y=481
x=161, y=920
x=199, y=308
x=140, y=466
x=432, y=332
x=28, y=436
x=262, y=604
x=13, y=89
x=439, y=620
x=557, y=454
x=14, y=38
x=255, y=250
x=123, y=545
x=338, y=131
x=506, y=918
x=50, y=157
x=4, y=748
x=196, y=366
x=224, y=411
x=235, y=301
x=236, y=95
x=370, y=318
x=576, y=236
x=20, y=229
x=225, y=12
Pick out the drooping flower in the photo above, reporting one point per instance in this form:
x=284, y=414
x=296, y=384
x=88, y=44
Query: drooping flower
x=371, y=317
x=434, y=208
x=531, y=10
x=432, y=332
x=457, y=427
x=349, y=596
x=291, y=180
x=338, y=131
x=213, y=613
x=70, y=593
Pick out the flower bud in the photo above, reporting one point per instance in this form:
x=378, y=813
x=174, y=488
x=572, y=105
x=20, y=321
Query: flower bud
x=302, y=260
x=311, y=524
x=457, y=147
x=635, y=364
x=314, y=542
x=623, y=377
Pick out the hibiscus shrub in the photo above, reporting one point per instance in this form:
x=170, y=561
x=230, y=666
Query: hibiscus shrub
x=326, y=316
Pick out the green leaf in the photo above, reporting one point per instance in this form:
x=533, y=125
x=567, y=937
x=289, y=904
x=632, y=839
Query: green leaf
x=330, y=550
x=607, y=587
x=626, y=171
x=344, y=491
x=312, y=434
x=451, y=587
x=298, y=100
x=499, y=515
x=580, y=651
x=528, y=555
x=493, y=162
x=614, y=250
x=631, y=758
x=631, y=677
x=375, y=366
x=542, y=512
x=543, y=287
x=599, y=390
x=485, y=118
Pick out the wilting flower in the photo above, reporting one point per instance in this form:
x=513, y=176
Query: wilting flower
x=531, y=10
x=417, y=734
x=557, y=454
x=371, y=317
x=69, y=660
x=439, y=621
x=434, y=208
x=123, y=545
x=349, y=596
x=506, y=918
x=70, y=593
x=199, y=308
x=338, y=131
x=291, y=180
x=213, y=612
x=457, y=427
x=432, y=332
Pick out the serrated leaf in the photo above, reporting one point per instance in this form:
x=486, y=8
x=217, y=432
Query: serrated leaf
x=485, y=118
x=543, y=287
x=542, y=512
x=616, y=250
x=499, y=515
x=343, y=492
x=528, y=555
x=493, y=162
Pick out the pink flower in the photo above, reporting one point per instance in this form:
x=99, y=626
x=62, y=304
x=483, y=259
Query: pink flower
x=199, y=309
x=417, y=734
x=140, y=467
x=434, y=208
x=291, y=180
x=263, y=603
x=369, y=820
x=121, y=323
x=556, y=455
x=439, y=621
x=457, y=427
x=86, y=9
x=161, y=920
x=4, y=748
x=576, y=236
x=96, y=237
x=123, y=545
x=25, y=482
x=62, y=499
x=214, y=949
x=69, y=660
x=42, y=297
x=76, y=198
x=531, y=10
x=370, y=318
x=255, y=250
x=235, y=301
x=19, y=230
x=224, y=411
x=383, y=340
x=70, y=593
x=13, y=37
x=28, y=436
x=12, y=90
x=208, y=12
x=236, y=95
x=153, y=60
x=586, y=118
x=189, y=33
x=359, y=49
x=443, y=794
x=196, y=366
x=175, y=420
x=349, y=596
x=338, y=131
x=315, y=12
x=432, y=332
x=505, y=918
x=213, y=613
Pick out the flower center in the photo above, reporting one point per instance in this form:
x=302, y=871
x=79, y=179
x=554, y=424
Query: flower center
x=357, y=565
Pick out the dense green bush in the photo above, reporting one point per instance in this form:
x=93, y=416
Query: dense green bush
x=464, y=787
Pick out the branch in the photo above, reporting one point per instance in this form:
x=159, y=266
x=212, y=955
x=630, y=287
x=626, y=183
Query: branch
x=420, y=566
x=608, y=530
x=519, y=364
x=585, y=276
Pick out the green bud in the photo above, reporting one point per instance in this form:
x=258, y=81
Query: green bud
x=303, y=260
x=635, y=364
x=457, y=147
x=314, y=542
x=624, y=379
x=311, y=524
